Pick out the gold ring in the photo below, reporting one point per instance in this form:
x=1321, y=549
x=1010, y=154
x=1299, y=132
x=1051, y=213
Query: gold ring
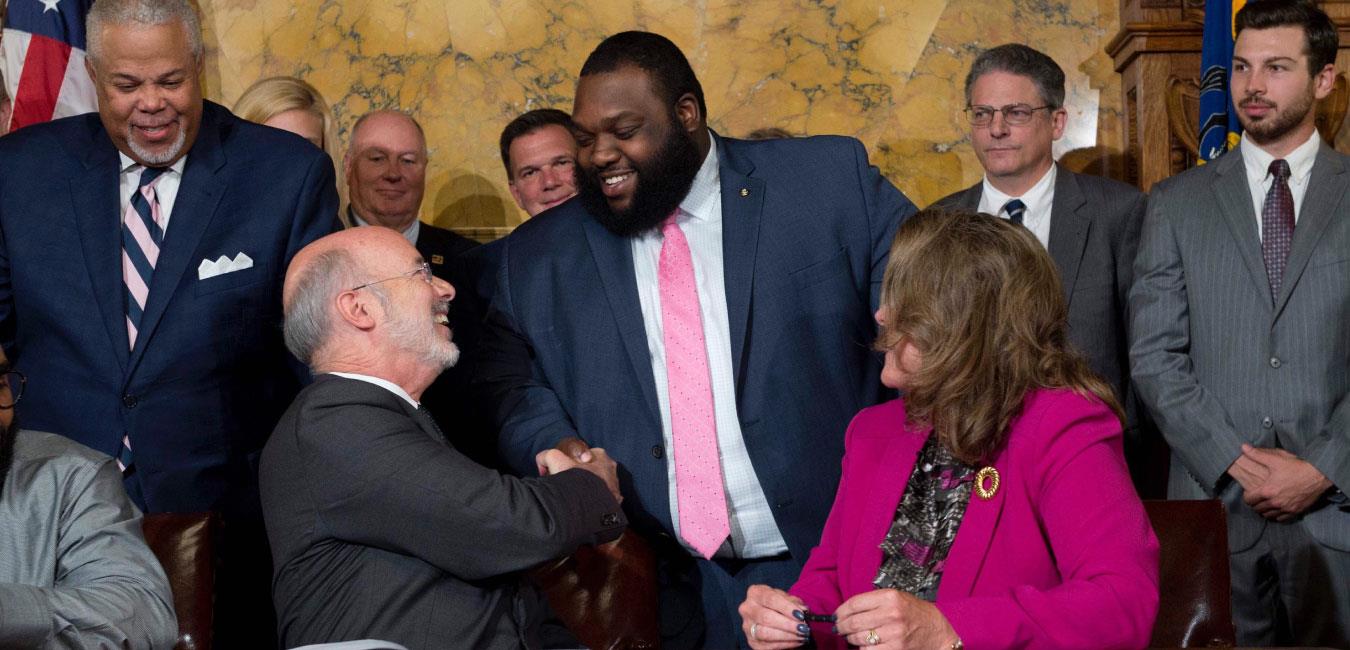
x=753, y=627
x=872, y=638
x=989, y=475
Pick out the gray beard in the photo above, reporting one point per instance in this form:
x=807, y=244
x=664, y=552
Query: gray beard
x=152, y=158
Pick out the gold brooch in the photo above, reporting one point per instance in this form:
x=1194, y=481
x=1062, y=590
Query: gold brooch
x=989, y=475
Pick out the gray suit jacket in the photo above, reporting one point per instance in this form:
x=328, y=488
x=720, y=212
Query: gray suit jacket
x=1219, y=362
x=1094, y=231
x=380, y=529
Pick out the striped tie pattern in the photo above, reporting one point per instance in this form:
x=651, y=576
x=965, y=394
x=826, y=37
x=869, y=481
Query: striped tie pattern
x=1015, y=209
x=142, y=236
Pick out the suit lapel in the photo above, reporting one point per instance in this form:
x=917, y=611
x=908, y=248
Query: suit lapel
x=1068, y=228
x=1234, y=197
x=970, y=549
x=1326, y=187
x=198, y=195
x=96, y=199
x=614, y=262
x=742, y=209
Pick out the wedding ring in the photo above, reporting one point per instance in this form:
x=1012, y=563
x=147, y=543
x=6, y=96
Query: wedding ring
x=753, y=627
x=872, y=638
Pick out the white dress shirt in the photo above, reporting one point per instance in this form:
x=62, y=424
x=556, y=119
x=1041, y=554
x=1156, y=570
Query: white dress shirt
x=1257, y=162
x=410, y=233
x=166, y=187
x=753, y=530
x=1040, y=200
x=382, y=383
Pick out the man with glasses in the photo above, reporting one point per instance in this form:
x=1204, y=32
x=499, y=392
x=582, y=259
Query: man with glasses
x=1015, y=107
x=75, y=571
x=379, y=527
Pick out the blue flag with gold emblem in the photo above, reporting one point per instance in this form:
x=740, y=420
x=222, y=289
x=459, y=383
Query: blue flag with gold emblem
x=1219, y=128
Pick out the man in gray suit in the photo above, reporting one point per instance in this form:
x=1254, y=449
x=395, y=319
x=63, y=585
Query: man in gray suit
x=1015, y=106
x=1239, y=334
x=379, y=527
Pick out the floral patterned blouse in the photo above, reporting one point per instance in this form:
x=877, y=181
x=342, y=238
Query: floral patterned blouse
x=916, y=546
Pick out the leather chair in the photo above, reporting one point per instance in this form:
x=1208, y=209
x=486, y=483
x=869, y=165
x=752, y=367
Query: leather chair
x=184, y=544
x=1195, y=606
x=606, y=595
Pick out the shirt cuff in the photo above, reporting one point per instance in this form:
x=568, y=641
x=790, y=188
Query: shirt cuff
x=25, y=616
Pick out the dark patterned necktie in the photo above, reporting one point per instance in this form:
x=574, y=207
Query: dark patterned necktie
x=1277, y=225
x=1015, y=209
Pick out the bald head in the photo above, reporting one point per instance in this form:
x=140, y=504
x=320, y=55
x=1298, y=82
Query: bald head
x=386, y=169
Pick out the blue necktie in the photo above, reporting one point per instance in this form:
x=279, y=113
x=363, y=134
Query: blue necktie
x=1015, y=209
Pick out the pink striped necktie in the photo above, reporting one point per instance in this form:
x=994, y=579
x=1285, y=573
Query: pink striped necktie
x=698, y=468
x=142, y=236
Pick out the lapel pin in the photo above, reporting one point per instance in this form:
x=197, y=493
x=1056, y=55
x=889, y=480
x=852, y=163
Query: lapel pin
x=745, y=192
x=987, y=475
x=437, y=259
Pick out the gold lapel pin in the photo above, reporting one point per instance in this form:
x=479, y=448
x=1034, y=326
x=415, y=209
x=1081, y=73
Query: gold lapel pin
x=986, y=475
x=745, y=192
x=437, y=259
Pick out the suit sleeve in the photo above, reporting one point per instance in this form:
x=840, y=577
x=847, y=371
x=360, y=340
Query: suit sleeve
x=109, y=590
x=316, y=208
x=1192, y=420
x=409, y=493
x=1329, y=452
x=886, y=208
x=1100, y=537
x=525, y=407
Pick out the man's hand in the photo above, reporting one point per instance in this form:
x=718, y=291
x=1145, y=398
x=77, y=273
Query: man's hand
x=1248, y=472
x=1291, y=485
x=553, y=461
x=576, y=448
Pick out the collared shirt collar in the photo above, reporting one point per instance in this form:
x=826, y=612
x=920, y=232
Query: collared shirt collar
x=1032, y=197
x=130, y=165
x=701, y=201
x=1301, y=159
x=410, y=233
x=382, y=383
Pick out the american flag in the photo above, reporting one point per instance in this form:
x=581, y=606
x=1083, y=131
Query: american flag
x=43, y=60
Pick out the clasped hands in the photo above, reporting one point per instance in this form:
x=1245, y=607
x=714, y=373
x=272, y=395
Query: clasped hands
x=572, y=452
x=773, y=619
x=1275, y=483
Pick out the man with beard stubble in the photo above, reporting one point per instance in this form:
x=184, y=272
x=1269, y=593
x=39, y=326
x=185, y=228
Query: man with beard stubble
x=703, y=312
x=1238, y=334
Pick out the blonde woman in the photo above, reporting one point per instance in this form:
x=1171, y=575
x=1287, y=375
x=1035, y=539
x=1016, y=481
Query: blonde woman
x=291, y=104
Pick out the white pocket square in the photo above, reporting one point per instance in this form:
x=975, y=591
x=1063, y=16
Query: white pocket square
x=222, y=265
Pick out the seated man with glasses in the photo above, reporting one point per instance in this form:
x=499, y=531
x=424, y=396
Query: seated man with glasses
x=380, y=527
x=1090, y=225
x=74, y=568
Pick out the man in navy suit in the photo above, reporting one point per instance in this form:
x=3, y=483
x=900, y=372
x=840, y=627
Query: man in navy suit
x=740, y=277
x=141, y=265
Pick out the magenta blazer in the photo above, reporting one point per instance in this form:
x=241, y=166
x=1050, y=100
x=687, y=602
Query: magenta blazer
x=1060, y=556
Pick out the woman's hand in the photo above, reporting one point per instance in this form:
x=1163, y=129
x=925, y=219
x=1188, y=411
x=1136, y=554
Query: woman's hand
x=773, y=619
x=889, y=618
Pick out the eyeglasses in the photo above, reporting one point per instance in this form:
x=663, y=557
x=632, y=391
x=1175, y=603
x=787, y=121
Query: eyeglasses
x=423, y=271
x=14, y=381
x=1012, y=113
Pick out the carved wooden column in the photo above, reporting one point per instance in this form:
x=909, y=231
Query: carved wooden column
x=1157, y=49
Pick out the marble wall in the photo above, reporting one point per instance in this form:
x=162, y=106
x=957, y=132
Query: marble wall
x=887, y=72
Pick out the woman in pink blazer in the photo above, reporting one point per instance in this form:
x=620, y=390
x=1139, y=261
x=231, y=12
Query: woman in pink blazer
x=991, y=506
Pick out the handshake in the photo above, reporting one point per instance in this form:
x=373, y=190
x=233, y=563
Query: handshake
x=572, y=452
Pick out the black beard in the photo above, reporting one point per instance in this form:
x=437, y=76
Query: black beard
x=662, y=183
x=6, y=452
x=1276, y=126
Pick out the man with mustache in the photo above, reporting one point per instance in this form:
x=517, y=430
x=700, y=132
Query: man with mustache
x=1090, y=225
x=76, y=572
x=381, y=528
x=140, y=282
x=704, y=312
x=1238, y=333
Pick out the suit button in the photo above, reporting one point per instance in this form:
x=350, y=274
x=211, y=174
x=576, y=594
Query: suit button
x=129, y=401
x=610, y=519
x=1274, y=362
x=658, y=452
x=1267, y=423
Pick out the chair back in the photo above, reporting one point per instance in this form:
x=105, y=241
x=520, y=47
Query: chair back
x=606, y=595
x=1194, y=607
x=184, y=544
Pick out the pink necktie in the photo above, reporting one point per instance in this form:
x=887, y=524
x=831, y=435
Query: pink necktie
x=698, y=468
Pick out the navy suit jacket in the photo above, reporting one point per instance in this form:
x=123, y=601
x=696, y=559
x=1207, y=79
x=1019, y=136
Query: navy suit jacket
x=209, y=376
x=807, y=227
